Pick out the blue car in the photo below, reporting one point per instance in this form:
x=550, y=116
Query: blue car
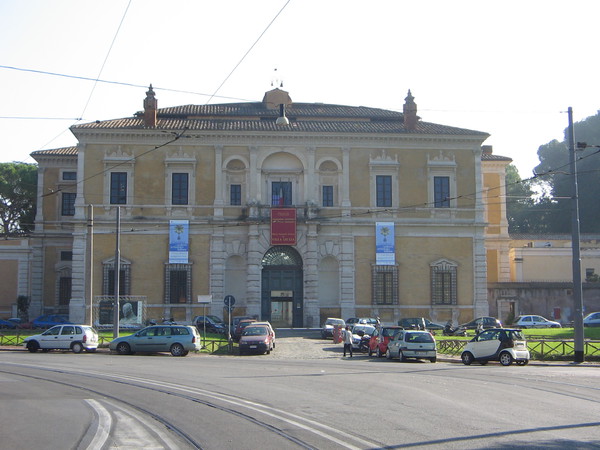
x=7, y=324
x=49, y=320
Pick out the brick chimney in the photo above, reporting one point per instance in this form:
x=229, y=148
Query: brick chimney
x=410, y=112
x=150, y=108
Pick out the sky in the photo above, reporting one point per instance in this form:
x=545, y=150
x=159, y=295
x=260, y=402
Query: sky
x=510, y=68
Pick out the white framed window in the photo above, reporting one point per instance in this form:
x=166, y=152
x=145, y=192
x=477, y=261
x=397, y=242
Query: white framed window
x=441, y=181
x=384, y=185
x=118, y=178
x=180, y=180
x=443, y=274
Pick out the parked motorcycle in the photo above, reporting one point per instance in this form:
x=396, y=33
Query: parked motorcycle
x=449, y=330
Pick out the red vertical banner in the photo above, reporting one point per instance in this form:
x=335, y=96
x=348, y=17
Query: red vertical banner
x=283, y=226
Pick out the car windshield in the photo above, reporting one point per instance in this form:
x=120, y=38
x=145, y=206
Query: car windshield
x=215, y=319
x=418, y=337
x=517, y=335
x=334, y=322
x=255, y=331
x=390, y=332
x=366, y=328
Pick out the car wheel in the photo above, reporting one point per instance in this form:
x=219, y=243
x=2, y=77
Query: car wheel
x=401, y=357
x=433, y=360
x=123, y=348
x=76, y=347
x=467, y=358
x=388, y=354
x=505, y=359
x=33, y=346
x=177, y=350
x=379, y=355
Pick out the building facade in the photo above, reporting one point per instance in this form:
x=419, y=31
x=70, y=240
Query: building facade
x=300, y=211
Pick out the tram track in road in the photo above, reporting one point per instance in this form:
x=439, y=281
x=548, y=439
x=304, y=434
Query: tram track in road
x=226, y=403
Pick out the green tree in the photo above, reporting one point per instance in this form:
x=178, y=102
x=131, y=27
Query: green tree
x=554, y=169
x=18, y=188
x=527, y=208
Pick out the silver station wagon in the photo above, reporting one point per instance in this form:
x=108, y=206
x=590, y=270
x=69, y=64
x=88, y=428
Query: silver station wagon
x=179, y=340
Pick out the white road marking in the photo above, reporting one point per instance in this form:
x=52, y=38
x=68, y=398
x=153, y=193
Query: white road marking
x=104, y=425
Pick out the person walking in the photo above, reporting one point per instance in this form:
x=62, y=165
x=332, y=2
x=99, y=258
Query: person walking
x=347, y=340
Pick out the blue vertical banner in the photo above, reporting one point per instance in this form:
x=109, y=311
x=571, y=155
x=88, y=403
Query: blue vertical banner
x=178, y=241
x=385, y=249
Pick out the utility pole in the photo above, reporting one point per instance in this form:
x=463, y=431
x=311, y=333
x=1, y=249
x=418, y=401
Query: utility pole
x=117, y=269
x=90, y=266
x=575, y=242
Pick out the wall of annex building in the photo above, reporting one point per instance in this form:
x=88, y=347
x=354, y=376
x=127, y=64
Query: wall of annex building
x=413, y=257
x=412, y=170
x=8, y=288
x=147, y=174
x=147, y=255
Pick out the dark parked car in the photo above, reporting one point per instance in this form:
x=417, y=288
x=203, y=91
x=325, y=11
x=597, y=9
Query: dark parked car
x=49, y=320
x=212, y=324
x=7, y=324
x=239, y=328
x=419, y=323
x=487, y=322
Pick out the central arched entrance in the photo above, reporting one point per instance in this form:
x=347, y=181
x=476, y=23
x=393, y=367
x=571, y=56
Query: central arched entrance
x=282, y=287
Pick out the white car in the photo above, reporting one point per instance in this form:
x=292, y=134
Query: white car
x=64, y=337
x=412, y=344
x=506, y=345
x=532, y=321
x=361, y=332
x=329, y=325
x=592, y=320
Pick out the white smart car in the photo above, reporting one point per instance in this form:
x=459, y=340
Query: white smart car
x=506, y=345
x=64, y=337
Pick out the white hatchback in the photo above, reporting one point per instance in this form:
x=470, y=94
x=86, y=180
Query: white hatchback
x=64, y=337
x=412, y=344
x=532, y=321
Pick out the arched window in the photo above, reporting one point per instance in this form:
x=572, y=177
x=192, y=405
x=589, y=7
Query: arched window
x=281, y=255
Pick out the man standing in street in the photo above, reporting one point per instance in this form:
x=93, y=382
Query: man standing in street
x=347, y=340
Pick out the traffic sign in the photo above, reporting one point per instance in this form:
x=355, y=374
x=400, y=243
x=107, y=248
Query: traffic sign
x=229, y=300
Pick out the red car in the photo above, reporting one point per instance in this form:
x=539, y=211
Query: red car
x=239, y=328
x=380, y=338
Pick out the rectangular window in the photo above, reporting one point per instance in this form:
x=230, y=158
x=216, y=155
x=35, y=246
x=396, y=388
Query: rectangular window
x=178, y=283
x=235, y=194
x=441, y=192
x=111, y=283
x=64, y=290
x=69, y=176
x=385, y=285
x=281, y=193
x=180, y=188
x=443, y=285
x=384, y=190
x=118, y=188
x=327, y=195
x=68, y=204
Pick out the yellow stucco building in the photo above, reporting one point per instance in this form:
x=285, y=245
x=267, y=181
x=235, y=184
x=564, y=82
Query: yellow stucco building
x=299, y=211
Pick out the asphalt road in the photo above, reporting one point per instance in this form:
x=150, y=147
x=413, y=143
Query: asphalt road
x=303, y=395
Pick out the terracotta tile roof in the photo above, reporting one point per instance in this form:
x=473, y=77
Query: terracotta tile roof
x=491, y=157
x=64, y=151
x=256, y=117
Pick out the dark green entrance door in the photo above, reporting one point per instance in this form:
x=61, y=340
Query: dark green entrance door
x=282, y=287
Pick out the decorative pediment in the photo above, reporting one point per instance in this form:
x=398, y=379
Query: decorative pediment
x=383, y=159
x=442, y=159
